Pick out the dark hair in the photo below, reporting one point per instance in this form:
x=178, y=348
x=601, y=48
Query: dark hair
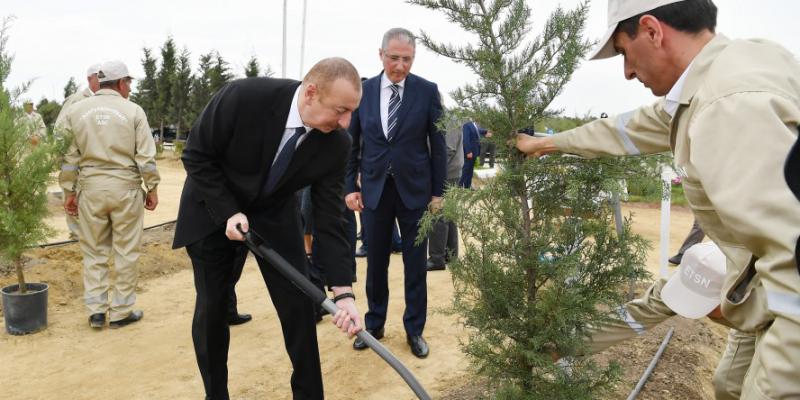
x=109, y=84
x=690, y=16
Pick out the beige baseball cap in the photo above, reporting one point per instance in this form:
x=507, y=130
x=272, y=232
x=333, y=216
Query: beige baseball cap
x=93, y=69
x=112, y=70
x=618, y=11
x=695, y=289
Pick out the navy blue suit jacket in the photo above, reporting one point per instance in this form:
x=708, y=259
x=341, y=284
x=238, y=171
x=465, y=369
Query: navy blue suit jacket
x=419, y=168
x=472, y=140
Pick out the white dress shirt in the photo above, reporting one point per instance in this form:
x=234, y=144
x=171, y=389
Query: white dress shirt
x=293, y=121
x=673, y=98
x=386, y=94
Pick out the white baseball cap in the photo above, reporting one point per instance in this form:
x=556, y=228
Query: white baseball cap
x=618, y=11
x=112, y=71
x=92, y=69
x=695, y=289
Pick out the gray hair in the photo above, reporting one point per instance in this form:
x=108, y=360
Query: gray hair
x=401, y=34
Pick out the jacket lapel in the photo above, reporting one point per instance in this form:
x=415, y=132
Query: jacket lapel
x=375, y=107
x=407, y=101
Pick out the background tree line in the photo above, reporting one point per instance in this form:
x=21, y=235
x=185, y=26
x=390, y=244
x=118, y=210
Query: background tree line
x=171, y=92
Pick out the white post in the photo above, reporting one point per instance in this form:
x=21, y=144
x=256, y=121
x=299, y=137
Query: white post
x=666, y=201
x=283, y=58
x=303, y=39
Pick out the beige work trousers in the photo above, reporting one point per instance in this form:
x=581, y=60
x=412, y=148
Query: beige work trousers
x=639, y=315
x=771, y=375
x=111, y=222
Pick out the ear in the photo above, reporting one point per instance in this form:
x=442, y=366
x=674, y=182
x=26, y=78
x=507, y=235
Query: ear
x=380, y=54
x=653, y=29
x=309, y=92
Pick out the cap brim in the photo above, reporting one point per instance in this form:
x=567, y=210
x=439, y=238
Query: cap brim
x=685, y=302
x=605, y=48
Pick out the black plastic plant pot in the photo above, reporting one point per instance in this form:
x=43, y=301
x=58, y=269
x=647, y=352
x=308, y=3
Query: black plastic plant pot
x=25, y=313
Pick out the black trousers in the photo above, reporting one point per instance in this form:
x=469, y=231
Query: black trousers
x=378, y=230
x=238, y=266
x=213, y=261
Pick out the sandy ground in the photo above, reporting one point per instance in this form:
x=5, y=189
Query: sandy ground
x=154, y=359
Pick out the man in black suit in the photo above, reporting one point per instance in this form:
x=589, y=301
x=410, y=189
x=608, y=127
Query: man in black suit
x=256, y=143
x=402, y=166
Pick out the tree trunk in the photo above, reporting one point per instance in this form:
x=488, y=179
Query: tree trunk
x=23, y=287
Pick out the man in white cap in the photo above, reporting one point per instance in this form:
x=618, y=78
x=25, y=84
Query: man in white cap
x=692, y=292
x=88, y=91
x=93, y=86
x=111, y=154
x=729, y=115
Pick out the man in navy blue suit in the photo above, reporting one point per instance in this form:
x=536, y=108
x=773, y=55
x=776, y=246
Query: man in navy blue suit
x=403, y=166
x=472, y=148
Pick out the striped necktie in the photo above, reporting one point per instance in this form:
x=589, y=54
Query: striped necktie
x=282, y=161
x=394, y=106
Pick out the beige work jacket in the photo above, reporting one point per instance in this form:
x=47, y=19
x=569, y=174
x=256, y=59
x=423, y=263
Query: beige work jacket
x=112, y=146
x=738, y=116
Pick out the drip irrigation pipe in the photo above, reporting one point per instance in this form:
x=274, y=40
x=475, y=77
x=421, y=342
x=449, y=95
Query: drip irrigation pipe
x=652, y=365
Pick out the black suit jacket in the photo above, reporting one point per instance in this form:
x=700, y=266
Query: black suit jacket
x=227, y=159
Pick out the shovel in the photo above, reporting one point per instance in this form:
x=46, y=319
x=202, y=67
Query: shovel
x=259, y=247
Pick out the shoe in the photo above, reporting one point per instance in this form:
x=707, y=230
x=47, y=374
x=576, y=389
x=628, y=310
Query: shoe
x=97, y=321
x=432, y=266
x=361, y=252
x=134, y=316
x=238, y=319
x=676, y=259
x=359, y=344
x=418, y=346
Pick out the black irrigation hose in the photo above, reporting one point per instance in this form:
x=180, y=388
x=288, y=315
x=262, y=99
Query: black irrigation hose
x=259, y=247
x=652, y=365
x=63, y=242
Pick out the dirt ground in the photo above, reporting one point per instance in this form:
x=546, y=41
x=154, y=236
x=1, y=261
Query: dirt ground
x=154, y=359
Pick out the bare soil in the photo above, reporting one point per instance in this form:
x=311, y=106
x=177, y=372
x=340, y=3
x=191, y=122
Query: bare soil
x=154, y=359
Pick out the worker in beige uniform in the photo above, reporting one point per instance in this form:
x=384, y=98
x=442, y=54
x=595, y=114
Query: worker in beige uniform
x=93, y=86
x=111, y=153
x=692, y=292
x=33, y=123
x=729, y=115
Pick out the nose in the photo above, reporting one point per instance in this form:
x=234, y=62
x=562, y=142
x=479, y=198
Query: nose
x=344, y=120
x=628, y=70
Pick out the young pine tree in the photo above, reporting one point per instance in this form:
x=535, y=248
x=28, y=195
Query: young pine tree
x=24, y=174
x=542, y=260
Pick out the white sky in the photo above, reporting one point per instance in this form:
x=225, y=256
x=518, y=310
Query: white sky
x=55, y=39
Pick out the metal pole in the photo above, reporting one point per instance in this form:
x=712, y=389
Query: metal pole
x=283, y=58
x=303, y=39
x=666, y=200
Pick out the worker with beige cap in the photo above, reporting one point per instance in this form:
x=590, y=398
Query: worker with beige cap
x=111, y=154
x=93, y=86
x=729, y=115
x=32, y=122
x=692, y=292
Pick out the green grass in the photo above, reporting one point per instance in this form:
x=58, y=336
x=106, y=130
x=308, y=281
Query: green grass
x=678, y=198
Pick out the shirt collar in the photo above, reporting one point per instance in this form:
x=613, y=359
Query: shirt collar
x=293, y=121
x=673, y=99
x=385, y=82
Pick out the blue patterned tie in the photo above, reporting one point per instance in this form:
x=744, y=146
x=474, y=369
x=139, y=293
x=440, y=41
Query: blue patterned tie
x=394, y=106
x=282, y=162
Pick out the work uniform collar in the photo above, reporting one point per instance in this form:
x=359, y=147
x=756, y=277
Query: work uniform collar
x=108, y=92
x=700, y=66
